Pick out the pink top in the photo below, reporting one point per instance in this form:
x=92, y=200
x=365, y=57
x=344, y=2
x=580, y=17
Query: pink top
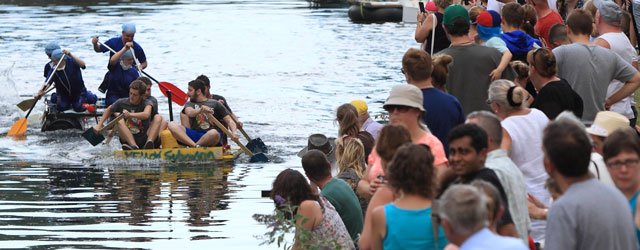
x=429, y=139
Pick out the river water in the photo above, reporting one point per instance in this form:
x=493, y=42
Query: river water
x=284, y=67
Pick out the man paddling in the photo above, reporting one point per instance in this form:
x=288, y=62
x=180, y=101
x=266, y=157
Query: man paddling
x=121, y=74
x=134, y=130
x=117, y=43
x=70, y=89
x=199, y=132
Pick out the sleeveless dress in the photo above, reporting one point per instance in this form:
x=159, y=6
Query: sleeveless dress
x=411, y=229
x=331, y=228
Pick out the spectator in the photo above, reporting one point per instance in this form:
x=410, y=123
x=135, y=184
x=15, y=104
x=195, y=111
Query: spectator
x=406, y=222
x=365, y=121
x=440, y=71
x=546, y=18
x=318, y=169
x=442, y=111
x=351, y=164
x=522, y=136
x=518, y=42
x=589, y=69
x=554, y=94
x=575, y=222
x=622, y=154
x=463, y=213
x=314, y=214
x=510, y=176
x=472, y=64
x=605, y=123
x=558, y=35
x=468, y=151
x=347, y=117
x=425, y=32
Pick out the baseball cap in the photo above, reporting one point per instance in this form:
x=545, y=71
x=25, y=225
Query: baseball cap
x=405, y=95
x=56, y=54
x=50, y=47
x=609, y=11
x=453, y=12
x=489, y=19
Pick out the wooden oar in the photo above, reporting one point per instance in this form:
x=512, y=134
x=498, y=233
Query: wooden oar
x=259, y=157
x=26, y=104
x=178, y=96
x=255, y=145
x=20, y=127
x=94, y=136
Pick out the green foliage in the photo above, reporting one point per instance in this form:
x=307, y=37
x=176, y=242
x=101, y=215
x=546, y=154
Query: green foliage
x=281, y=223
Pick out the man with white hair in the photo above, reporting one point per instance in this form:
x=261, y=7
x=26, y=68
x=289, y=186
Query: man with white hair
x=463, y=215
x=117, y=43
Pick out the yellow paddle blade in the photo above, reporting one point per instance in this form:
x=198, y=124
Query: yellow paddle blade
x=18, y=128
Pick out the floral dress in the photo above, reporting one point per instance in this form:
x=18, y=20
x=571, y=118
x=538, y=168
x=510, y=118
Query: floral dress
x=331, y=233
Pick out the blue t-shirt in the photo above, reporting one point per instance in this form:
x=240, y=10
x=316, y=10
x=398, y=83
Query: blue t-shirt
x=116, y=44
x=442, y=113
x=119, y=81
x=411, y=229
x=68, y=82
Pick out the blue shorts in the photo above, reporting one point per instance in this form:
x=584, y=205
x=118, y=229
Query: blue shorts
x=195, y=135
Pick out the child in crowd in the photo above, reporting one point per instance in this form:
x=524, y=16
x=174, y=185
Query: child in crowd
x=489, y=32
x=558, y=35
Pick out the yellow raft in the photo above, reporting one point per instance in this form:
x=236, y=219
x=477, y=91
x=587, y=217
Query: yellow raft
x=182, y=154
x=171, y=151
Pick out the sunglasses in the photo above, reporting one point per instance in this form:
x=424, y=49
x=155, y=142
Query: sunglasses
x=399, y=108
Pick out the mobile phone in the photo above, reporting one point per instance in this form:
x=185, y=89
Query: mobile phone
x=421, y=4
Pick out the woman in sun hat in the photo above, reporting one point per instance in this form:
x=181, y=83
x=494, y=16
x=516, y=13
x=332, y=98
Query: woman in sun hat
x=404, y=105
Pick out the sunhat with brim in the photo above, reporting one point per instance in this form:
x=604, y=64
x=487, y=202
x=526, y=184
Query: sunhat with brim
x=323, y=143
x=405, y=95
x=606, y=122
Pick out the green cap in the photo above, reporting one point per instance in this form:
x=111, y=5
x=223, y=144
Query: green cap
x=455, y=11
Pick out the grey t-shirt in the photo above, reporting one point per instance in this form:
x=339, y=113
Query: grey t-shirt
x=135, y=125
x=154, y=103
x=469, y=78
x=200, y=121
x=589, y=70
x=590, y=216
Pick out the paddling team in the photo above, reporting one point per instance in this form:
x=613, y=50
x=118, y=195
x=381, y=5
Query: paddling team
x=128, y=93
x=550, y=161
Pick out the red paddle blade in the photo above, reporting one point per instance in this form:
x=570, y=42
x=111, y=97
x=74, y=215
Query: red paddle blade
x=177, y=95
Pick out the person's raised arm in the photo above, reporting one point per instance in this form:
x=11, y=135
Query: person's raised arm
x=116, y=57
x=423, y=28
x=96, y=46
x=78, y=61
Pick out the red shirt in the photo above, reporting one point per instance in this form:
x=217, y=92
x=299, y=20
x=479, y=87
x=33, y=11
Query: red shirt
x=544, y=24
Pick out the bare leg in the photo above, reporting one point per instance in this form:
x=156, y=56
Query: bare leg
x=125, y=134
x=211, y=138
x=154, y=128
x=184, y=120
x=164, y=125
x=179, y=132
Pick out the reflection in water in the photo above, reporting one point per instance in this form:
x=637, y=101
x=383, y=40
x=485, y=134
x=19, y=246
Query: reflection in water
x=68, y=202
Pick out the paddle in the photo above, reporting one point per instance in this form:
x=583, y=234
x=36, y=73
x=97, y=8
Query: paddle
x=94, y=136
x=179, y=96
x=20, y=127
x=258, y=157
x=26, y=104
x=255, y=145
